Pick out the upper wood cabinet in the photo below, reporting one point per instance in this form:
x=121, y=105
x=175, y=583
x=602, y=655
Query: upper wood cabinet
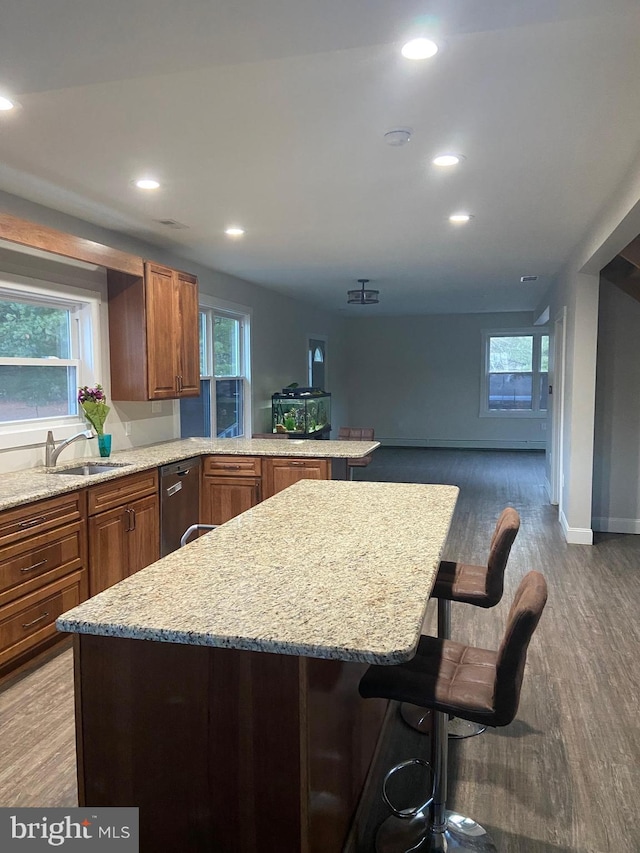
x=153, y=334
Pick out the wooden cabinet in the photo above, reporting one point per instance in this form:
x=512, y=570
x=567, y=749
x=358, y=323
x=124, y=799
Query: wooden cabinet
x=280, y=472
x=43, y=559
x=230, y=485
x=153, y=334
x=124, y=528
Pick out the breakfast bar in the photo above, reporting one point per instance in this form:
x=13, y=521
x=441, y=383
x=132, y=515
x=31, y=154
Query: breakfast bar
x=217, y=689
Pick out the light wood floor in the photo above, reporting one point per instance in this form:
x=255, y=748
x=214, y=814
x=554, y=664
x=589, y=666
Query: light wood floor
x=564, y=777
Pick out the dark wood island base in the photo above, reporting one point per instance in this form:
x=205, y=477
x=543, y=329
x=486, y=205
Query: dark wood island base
x=222, y=749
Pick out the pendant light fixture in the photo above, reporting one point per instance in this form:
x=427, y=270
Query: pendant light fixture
x=364, y=296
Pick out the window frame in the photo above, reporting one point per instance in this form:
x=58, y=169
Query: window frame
x=84, y=306
x=220, y=308
x=537, y=333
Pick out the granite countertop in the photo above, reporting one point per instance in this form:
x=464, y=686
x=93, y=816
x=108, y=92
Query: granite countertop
x=22, y=487
x=328, y=569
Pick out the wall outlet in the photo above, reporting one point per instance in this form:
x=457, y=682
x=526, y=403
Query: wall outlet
x=156, y=407
x=543, y=425
x=127, y=427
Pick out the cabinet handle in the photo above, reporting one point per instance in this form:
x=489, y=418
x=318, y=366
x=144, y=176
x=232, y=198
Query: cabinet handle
x=257, y=488
x=129, y=528
x=179, y=384
x=34, y=566
x=133, y=519
x=26, y=625
x=231, y=467
x=32, y=521
x=297, y=464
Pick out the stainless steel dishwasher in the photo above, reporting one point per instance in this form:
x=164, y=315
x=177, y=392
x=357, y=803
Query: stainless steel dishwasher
x=179, y=501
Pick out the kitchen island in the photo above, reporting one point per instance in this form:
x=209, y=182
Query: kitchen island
x=217, y=688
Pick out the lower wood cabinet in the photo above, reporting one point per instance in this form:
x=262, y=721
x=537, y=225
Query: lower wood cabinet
x=43, y=560
x=126, y=537
x=280, y=472
x=230, y=485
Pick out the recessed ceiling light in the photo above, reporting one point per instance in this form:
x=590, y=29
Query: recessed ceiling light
x=460, y=218
x=419, y=49
x=447, y=159
x=234, y=232
x=147, y=184
x=525, y=278
x=6, y=104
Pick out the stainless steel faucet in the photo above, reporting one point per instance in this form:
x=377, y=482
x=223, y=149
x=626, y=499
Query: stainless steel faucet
x=52, y=452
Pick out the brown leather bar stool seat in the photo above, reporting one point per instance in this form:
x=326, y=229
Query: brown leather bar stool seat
x=471, y=683
x=481, y=586
x=356, y=434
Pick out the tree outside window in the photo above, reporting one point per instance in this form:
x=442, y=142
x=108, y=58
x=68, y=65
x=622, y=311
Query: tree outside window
x=38, y=374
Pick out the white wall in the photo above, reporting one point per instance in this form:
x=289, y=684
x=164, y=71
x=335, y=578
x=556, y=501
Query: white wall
x=416, y=380
x=280, y=327
x=616, y=462
x=577, y=290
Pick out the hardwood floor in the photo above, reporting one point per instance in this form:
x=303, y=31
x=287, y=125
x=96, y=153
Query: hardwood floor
x=37, y=735
x=563, y=777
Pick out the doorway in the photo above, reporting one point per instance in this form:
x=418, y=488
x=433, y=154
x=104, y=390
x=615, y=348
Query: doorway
x=317, y=362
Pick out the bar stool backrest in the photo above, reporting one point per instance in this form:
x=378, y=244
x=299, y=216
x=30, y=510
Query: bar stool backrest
x=524, y=616
x=507, y=527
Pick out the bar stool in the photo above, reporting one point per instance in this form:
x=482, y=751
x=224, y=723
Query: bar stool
x=479, y=585
x=356, y=434
x=469, y=682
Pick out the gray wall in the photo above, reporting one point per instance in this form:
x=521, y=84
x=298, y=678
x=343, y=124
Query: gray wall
x=416, y=380
x=616, y=458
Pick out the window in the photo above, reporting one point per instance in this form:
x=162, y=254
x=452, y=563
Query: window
x=515, y=375
x=46, y=348
x=223, y=408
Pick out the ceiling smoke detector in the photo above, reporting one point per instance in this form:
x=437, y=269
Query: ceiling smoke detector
x=364, y=296
x=398, y=136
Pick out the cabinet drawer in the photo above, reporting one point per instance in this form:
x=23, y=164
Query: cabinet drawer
x=21, y=522
x=233, y=466
x=25, y=566
x=121, y=491
x=31, y=619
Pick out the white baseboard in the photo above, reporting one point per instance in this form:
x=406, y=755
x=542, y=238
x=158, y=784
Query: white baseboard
x=463, y=444
x=576, y=535
x=616, y=525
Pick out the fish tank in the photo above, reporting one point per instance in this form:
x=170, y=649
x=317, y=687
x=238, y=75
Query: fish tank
x=301, y=413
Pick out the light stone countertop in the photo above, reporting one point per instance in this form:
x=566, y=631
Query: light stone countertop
x=328, y=569
x=22, y=487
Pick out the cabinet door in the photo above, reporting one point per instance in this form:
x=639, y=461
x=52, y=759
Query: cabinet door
x=162, y=322
x=187, y=342
x=225, y=497
x=143, y=533
x=280, y=473
x=108, y=557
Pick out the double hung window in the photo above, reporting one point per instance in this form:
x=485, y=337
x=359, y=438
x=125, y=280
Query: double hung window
x=46, y=352
x=223, y=408
x=515, y=376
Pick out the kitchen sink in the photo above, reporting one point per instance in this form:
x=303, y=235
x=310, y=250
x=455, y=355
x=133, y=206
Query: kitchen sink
x=90, y=468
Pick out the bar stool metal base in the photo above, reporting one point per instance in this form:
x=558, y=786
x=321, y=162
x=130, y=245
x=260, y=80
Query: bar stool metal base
x=412, y=835
x=420, y=720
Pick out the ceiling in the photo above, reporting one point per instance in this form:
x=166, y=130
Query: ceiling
x=272, y=113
